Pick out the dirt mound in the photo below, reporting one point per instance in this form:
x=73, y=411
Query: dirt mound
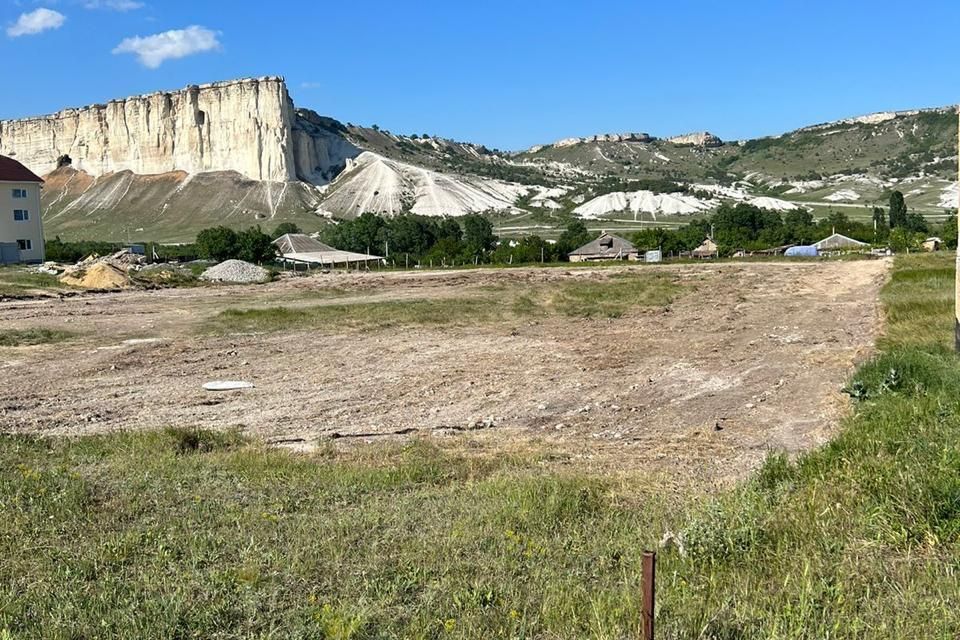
x=236, y=271
x=97, y=276
x=125, y=259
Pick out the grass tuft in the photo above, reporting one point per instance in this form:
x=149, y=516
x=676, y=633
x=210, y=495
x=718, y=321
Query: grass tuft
x=202, y=440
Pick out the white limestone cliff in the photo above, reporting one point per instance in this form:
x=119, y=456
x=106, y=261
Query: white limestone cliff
x=249, y=126
x=697, y=139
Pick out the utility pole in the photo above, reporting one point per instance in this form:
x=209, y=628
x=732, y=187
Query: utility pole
x=956, y=322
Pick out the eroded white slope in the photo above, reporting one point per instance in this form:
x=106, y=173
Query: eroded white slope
x=377, y=184
x=949, y=196
x=642, y=202
x=773, y=204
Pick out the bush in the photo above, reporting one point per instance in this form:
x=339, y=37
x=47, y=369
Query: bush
x=218, y=243
x=223, y=243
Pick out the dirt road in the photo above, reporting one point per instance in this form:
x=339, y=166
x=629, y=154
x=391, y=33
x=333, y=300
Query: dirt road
x=749, y=358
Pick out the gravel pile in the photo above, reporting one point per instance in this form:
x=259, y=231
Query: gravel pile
x=235, y=271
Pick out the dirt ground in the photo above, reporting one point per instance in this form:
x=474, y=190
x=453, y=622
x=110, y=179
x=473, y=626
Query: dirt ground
x=749, y=358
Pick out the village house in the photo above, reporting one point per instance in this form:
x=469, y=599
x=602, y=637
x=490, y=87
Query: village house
x=21, y=231
x=707, y=249
x=606, y=247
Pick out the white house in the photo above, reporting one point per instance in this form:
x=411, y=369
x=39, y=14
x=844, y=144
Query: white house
x=21, y=231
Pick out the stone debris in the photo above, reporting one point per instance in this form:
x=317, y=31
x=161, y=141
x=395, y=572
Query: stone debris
x=227, y=385
x=123, y=259
x=236, y=271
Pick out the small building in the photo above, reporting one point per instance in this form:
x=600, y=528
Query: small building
x=839, y=242
x=932, y=244
x=21, y=229
x=606, y=247
x=707, y=249
x=299, y=248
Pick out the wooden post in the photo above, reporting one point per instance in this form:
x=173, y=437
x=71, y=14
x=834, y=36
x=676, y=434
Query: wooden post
x=649, y=592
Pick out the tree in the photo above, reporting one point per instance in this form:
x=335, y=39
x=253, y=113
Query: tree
x=449, y=228
x=948, y=233
x=798, y=226
x=253, y=245
x=879, y=216
x=901, y=239
x=445, y=249
x=362, y=234
x=478, y=234
x=916, y=223
x=573, y=237
x=217, y=243
x=284, y=228
x=411, y=234
x=528, y=249
x=898, y=210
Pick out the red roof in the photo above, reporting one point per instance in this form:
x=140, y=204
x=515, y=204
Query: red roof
x=13, y=171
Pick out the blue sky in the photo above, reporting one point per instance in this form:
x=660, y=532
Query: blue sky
x=505, y=74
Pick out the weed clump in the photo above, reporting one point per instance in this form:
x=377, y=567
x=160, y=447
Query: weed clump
x=30, y=337
x=190, y=440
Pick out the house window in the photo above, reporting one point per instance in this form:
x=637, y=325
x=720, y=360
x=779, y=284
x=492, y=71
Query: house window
x=19, y=193
x=21, y=215
x=24, y=245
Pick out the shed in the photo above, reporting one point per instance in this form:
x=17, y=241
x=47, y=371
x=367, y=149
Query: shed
x=707, y=249
x=299, y=248
x=606, y=247
x=839, y=242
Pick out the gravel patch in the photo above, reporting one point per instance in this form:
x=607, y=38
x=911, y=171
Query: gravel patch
x=236, y=271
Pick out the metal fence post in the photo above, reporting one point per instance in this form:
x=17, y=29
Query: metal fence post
x=649, y=592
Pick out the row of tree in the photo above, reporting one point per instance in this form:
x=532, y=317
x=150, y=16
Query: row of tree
x=411, y=238
x=744, y=226
x=426, y=239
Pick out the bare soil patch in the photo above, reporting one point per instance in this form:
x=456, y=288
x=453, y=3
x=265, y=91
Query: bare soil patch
x=748, y=358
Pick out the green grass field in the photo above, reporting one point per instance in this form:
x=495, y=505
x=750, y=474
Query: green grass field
x=17, y=281
x=610, y=298
x=191, y=534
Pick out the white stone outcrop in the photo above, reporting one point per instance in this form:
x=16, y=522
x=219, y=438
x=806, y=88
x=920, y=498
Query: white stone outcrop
x=698, y=139
x=604, y=137
x=249, y=126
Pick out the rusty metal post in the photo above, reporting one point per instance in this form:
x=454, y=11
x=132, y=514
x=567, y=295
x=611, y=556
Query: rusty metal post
x=649, y=592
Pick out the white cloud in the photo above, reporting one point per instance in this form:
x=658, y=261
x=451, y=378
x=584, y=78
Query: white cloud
x=152, y=51
x=35, y=22
x=114, y=5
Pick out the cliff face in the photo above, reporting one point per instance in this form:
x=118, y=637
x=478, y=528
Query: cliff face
x=248, y=126
x=698, y=139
